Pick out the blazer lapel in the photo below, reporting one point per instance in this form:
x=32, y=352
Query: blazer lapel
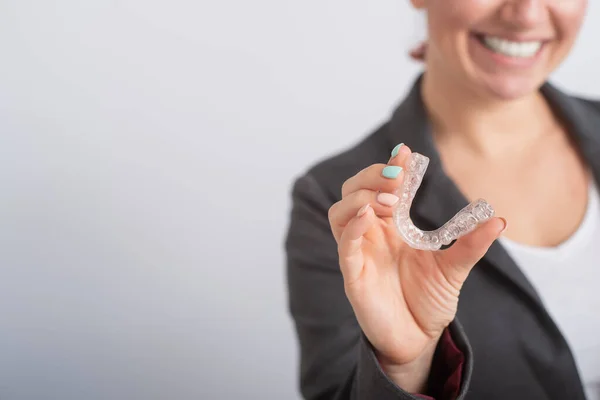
x=582, y=119
x=438, y=198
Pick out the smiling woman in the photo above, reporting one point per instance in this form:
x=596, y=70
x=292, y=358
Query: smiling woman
x=379, y=319
x=507, y=48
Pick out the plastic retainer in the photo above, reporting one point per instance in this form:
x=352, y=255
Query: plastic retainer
x=465, y=221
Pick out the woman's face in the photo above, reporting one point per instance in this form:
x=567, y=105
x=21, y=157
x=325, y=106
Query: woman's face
x=506, y=48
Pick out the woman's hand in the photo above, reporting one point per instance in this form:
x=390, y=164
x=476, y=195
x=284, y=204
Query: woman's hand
x=403, y=298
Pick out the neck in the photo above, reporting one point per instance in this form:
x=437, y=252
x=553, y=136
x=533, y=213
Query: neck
x=483, y=124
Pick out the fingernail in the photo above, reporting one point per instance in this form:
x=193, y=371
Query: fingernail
x=396, y=150
x=391, y=171
x=505, y=224
x=387, y=199
x=363, y=210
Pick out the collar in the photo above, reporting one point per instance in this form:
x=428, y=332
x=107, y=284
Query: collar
x=438, y=198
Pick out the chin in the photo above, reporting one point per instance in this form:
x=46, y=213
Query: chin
x=508, y=89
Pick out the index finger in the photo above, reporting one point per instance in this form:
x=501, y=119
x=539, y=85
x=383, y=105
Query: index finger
x=371, y=177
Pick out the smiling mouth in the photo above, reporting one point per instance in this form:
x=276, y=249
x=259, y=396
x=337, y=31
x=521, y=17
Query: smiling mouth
x=510, y=48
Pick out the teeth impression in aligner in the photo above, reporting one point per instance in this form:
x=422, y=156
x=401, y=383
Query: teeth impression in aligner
x=465, y=221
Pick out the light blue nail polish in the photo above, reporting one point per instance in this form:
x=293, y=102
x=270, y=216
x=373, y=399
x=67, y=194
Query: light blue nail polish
x=391, y=171
x=396, y=150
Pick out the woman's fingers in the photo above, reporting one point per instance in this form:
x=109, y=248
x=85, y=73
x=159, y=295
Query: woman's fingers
x=344, y=210
x=459, y=259
x=379, y=177
x=366, y=197
x=350, y=243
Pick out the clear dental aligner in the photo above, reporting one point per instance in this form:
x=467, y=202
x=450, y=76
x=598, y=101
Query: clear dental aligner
x=462, y=223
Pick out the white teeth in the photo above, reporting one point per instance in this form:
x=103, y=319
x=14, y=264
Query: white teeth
x=512, y=49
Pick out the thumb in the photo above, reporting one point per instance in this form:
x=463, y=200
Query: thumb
x=460, y=258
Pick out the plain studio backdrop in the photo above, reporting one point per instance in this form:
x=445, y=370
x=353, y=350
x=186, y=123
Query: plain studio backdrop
x=147, y=150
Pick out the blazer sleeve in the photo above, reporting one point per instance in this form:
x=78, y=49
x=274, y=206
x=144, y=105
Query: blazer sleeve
x=336, y=360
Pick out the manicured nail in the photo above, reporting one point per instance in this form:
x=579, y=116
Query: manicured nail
x=391, y=171
x=387, y=199
x=396, y=150
x=505, y=224
x=363, y=210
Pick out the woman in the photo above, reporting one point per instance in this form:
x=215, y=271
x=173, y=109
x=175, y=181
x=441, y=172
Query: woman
x=379, y=320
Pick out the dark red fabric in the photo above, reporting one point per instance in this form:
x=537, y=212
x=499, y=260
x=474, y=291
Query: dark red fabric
x=446, y=371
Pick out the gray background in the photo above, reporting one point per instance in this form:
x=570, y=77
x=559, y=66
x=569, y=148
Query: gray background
x=146, y=153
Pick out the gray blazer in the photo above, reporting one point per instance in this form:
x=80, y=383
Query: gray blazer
x=513, y=348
